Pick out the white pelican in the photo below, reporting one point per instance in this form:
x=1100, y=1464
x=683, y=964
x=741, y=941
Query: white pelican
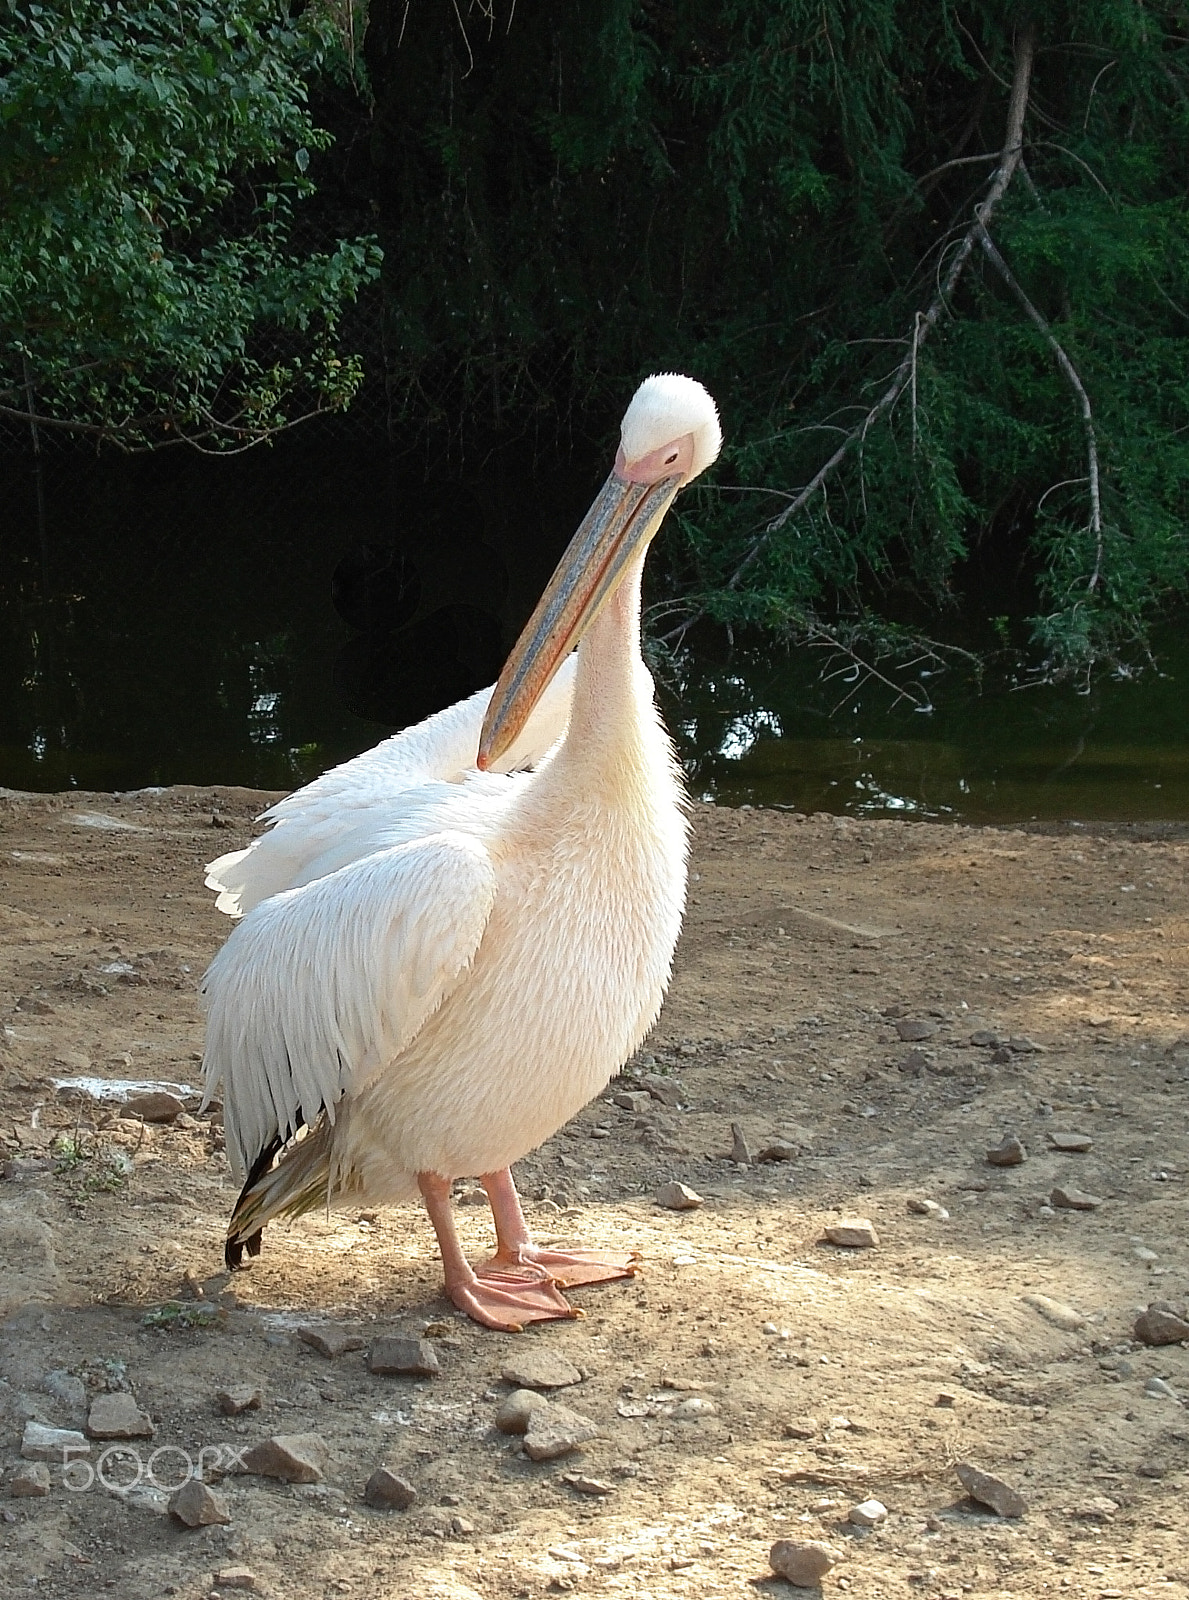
x=440, y=962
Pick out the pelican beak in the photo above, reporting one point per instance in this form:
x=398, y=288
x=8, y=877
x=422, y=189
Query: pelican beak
x=619, y=524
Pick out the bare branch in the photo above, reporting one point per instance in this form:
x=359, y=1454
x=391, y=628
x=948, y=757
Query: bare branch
x=1070, y=373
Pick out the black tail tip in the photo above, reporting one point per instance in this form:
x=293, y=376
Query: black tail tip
x=233, y=1251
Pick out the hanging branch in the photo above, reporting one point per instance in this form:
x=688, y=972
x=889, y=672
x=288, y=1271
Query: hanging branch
x=925, y=321
x=1070, y=373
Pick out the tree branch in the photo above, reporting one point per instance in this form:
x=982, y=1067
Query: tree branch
x=1070, y=373
x=924, y=322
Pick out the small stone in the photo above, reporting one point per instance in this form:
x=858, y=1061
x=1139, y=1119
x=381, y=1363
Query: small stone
x=867, y=1514
x=117, y=1416
x=1157, y=1325
x=198, y=1506
x=945, y=1399
x=928, y=1208
x=635, y=1100
x=1142, y=1253
x=39, y=1443
x=1009, y=1153
x=292, y=1457
x=154, y=1106
x=803, y=1563
x=388, y=1491
x=555, y=1430
x=235, y=1578
x=1055, y=1312
x=667, y=1090
x=403, y=1355
x=987, y=1038
x=141, y=1497
x=329, y=1339
x=513, y=1416
x=541, y=1369
x=740, y=1149
x=1070, y=1199
x=678, y=1197
x=912, y=1030
x=991, y=1491
x=1157, y=1389
x=853, y=1233
x=802, y=1428
x=694, y=1409
x=30, y=1481
x=1101, y=1508
x=461, y=1527
x=1070, y=1143
x=1021, y=1045
x=584, y=1485
x=67, y=1389
x=238, y=1398
x=779, y=1150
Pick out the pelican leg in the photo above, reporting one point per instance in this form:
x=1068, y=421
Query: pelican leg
x=503, y=1295
x=515, y=1247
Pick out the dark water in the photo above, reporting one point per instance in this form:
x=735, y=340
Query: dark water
x=255, y=621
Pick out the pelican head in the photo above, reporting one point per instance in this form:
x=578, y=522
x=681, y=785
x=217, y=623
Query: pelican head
x=669, y=434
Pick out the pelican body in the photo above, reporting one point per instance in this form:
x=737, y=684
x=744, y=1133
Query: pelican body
x=451, y=943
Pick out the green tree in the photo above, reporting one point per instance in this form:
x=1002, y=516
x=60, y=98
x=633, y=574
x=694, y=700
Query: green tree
x=937, y=250
x=152, y=157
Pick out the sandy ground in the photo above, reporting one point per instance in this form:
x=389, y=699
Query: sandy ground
x=824, y=1376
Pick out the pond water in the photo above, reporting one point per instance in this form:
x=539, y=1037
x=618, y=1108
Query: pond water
x=256, y=621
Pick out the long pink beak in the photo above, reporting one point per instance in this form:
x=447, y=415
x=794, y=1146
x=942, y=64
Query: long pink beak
x=622, y=520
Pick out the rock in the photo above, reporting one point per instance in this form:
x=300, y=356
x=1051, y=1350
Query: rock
x=802, y=1428
x=198, y=1506
x=637, y=1100
x=928, y=1208
x=867, y=1514
x=1010, y=1152
x=1157, y=1389
x=916, y=1062
x=235, y=1578
x=740, y=1150
x=584, y=1485
x=117, y=1416
x=238, y=1398
x=388, y=1491
x=292, y=1457
x=330, y=1340
x=140, y=1497
x=1157, y=1325
x=1055, y=1312
x=541, y=1369
x=779, y=1150
x=555, y=1430
x=853, y=1233
x=667, y=1090
x=28, y=1269
x=912, y=1031
x=401, y=1354
x=30, y=1481
x=1070, y=1199
x=803, y=1563
x=1071, y=1143
x=67, y=1389
x=1021, y=1045
x=991, y=1491
x=39, y=1443
x=513, y=1416
x=678, y=1197
x=155, y=1106
x=696, y=1408
x=987, y=1038
x=1101, y=1508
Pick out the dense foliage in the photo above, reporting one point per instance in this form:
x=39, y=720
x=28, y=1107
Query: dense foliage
x=767, y=193
x=152, y=155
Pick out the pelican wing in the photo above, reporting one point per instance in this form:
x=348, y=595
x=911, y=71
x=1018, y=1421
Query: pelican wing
x=339, y=815
x=319, y=987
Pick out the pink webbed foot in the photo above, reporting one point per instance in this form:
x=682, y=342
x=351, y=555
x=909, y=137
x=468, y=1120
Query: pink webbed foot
x=509, y=1297
x=569, y=1268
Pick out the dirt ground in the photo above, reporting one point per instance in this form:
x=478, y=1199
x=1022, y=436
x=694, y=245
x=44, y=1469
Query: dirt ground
x=824, y=1376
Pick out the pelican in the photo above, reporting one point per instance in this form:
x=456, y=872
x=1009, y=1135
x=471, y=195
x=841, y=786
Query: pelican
x=451, y=943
